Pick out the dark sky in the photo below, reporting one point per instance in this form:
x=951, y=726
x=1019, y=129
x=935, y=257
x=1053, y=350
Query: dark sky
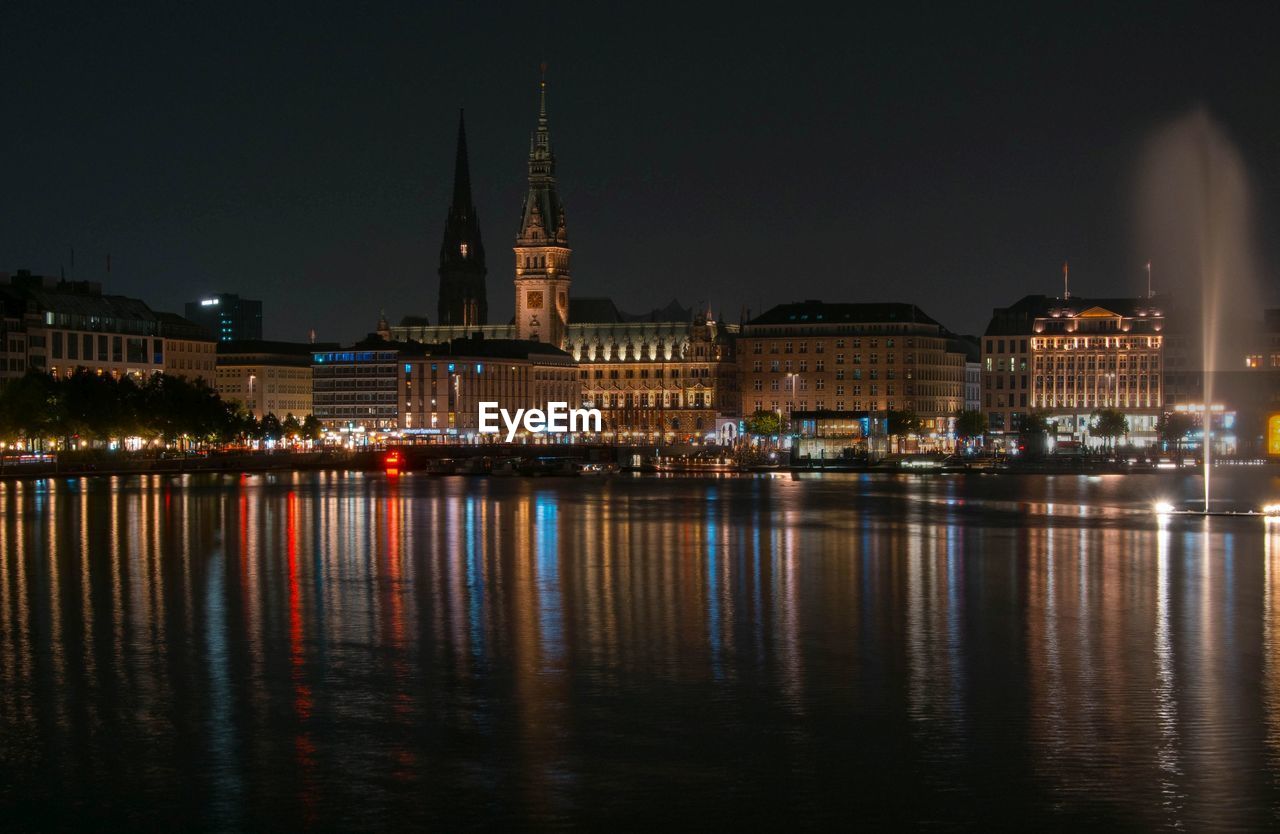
x=304, y=155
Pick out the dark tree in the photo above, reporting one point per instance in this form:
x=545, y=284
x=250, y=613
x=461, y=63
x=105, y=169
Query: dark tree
x=311, y=428
x=271, y=428
x=1110, y=424
x=766, y=423
x=903, y=423
x=970, y=425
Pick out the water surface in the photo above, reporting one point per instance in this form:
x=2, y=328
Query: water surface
x=342, y=650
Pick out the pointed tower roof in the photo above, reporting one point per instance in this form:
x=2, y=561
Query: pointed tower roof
x=462, y=244
x=543, y=218
x=461, y=169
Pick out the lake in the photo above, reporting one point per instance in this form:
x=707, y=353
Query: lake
x=343, y=650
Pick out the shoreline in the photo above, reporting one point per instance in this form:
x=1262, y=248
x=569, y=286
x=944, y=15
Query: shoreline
x=420, y=460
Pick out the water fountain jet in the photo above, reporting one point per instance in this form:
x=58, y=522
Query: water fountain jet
x=1195, y=214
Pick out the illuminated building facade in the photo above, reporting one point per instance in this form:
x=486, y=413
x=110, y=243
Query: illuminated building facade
x=189, y=349
x=354, y=390
x=267, y=377
x=813, y=356
x=60, y=326
x=1066, y=359
x=972, y=386
x=666, y=374
x=381, y=387
x=836, y=435
x=657, y=380
x=441, y=386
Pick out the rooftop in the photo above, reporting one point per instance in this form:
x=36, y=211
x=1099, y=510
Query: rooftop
x=260, y=346
x=819, y=312
x=1019, y=317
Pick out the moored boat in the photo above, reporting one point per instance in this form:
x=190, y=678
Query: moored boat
x=696, y=465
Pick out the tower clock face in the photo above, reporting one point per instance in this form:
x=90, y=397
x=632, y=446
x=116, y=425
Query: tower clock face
x=533, y=300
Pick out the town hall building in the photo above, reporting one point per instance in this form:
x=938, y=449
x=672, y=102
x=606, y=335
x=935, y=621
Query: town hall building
x=667, y=375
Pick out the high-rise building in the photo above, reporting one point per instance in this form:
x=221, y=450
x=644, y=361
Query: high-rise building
x=542, y=246
x=462, y=300
x=227, y=316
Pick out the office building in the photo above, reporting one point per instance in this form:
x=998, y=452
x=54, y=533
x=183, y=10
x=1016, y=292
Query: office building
x=268, y=377
x=227, y=316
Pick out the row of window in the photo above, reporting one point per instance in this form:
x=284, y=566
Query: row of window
x=997, y=381
x=999, y=345
x=820, y=347
x=839, y=405
x=1140, y=360
x=646, y=400
x=266, y=372
x=1098, y=343
x=643, y=373
x=644, y=353
x=1085, y=400
x=1132, y=383
x=100, y=347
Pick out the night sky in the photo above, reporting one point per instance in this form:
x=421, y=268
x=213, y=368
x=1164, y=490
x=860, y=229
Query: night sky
x=305, y=156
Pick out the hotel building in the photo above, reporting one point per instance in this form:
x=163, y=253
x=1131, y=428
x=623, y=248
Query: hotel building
x=1068, y=358
x=858, y=358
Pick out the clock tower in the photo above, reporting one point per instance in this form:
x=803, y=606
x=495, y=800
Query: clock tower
x=542, y=245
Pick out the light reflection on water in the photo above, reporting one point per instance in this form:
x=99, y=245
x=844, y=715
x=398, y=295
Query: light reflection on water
x=345, y=650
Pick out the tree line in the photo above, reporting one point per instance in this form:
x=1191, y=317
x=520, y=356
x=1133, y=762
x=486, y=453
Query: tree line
x=86, y=406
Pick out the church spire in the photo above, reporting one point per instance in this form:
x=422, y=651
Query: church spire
x=461, y=170
x=462, y=269
x=542, y=103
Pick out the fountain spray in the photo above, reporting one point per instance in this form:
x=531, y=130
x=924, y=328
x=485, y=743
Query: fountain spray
x=1195, y=210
